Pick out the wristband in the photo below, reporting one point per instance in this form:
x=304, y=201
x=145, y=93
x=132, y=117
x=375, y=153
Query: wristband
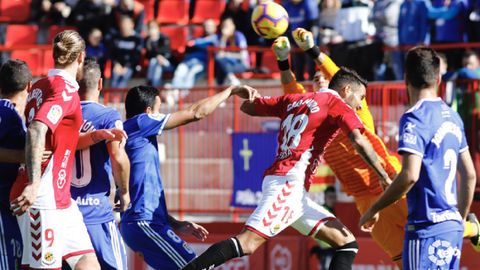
x=283, y=65
x=314, y=52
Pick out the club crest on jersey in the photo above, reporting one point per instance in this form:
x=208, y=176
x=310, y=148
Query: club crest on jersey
x=275, y=228
x=54, y=114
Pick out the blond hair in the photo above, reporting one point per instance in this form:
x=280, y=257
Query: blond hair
x=67, y=46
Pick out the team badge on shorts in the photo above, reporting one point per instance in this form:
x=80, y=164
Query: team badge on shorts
x=442, y=253
x=275, y=228
x=48, y=258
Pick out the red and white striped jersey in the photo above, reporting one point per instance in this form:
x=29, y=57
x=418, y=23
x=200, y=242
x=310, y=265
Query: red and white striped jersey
x=309, y=122
x=54, y=101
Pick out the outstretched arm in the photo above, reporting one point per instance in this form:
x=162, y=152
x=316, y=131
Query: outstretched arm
x=403, y=183
x=206, y=106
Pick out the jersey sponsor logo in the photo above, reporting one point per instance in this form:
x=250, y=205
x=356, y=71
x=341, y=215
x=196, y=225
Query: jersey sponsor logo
x=409, y=138
x=311, y=104
x=87, y=201
x=447, y=128
x=446, y=215
x=442, y=253
x=55, y=114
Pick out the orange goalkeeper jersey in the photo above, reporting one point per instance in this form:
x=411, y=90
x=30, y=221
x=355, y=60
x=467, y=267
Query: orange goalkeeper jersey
x=356, y=176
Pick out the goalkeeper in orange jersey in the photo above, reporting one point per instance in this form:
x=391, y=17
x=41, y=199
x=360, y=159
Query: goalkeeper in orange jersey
x=356, y=177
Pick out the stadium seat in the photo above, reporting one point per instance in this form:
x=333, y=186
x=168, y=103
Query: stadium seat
x=208, y=9
x=173, y=12
x=149, y=11
x=196, y=31
x=55, y=29
x=32, y=57
x=47, y=62
x=14, y=10
x=21, y=34
x=178, y=37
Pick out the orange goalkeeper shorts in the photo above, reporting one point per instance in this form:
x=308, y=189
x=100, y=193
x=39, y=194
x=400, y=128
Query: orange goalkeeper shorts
x=389, y=231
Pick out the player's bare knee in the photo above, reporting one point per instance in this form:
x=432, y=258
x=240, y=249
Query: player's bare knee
x=84, y=262
x=335, y=233
x=250, y=241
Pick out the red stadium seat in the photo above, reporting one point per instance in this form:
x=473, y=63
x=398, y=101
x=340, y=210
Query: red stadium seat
x=55, y=29
x=178, y=37
x=32, y=57
x=47, y=63
x=149, y=11
x=196, y=31
x=14, y=10
x=208, y=9
x=21, y=34
x=173, y=12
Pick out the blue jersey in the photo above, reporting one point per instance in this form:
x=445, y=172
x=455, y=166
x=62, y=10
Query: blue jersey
x=12, y=136
x=92, y=170
x=434, y=132
x=146, y=189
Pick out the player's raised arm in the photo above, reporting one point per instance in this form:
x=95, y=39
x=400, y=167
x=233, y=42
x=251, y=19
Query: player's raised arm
x=206, y=106
x=468, y=180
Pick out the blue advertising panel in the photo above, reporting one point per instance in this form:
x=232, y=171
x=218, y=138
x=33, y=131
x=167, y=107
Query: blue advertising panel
x=252, y=154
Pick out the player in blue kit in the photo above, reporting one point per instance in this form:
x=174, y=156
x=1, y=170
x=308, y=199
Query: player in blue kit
x=15, y=81
x=92, y=169
x=432, y=143
x=146, y=226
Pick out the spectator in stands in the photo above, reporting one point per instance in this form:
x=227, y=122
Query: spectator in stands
x=95, y=47
x=88, y=13
x=385, y=18
x=227, y=63
x=52, y=11
x=444, y=72
x=195, y=61
x=473, y=22
x=327, y=22
x=471, y=66
x=241, y=14
x=131, y=8
x=449, y=26
x=158, y=54
x=413, y=26
x=125, y=53
x=304, y=14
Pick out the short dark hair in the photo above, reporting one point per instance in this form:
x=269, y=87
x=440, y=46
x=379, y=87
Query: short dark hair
x=422, y=67
x=139, y=98
x=346, y=76
x=14, y=77
x=91, y=75
x=330, y=189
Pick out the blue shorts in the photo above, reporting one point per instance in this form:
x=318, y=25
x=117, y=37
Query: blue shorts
x=11, y=246
x=441, y=251
x=160, y=246
x=108, y=245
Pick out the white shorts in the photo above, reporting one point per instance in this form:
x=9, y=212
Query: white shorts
x=285, y=202
x=52, y=235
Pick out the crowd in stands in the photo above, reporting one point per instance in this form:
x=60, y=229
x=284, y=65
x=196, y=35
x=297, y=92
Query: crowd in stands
x=131, y=37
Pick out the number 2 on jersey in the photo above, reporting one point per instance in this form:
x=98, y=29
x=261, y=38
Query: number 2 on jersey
x=450, y=163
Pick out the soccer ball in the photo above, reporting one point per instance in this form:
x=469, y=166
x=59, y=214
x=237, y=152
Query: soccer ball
x=269, y=20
